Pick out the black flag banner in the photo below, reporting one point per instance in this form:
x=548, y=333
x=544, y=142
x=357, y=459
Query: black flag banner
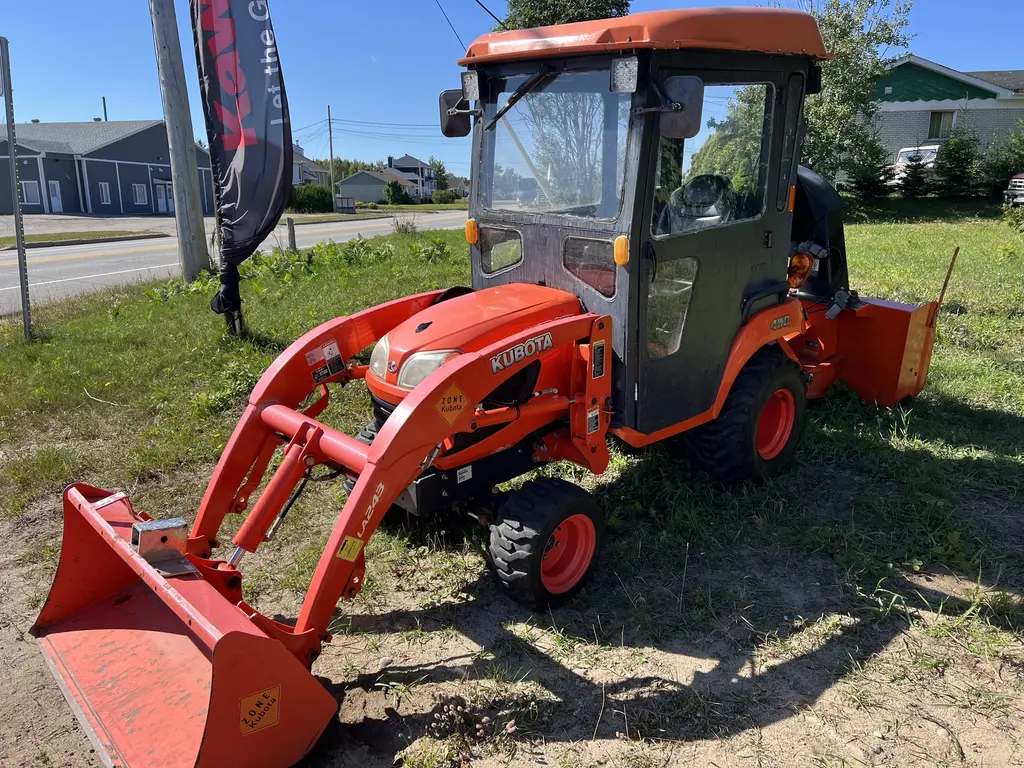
x=248, y=127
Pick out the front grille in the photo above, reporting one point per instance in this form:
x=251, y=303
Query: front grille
x=1017, y=184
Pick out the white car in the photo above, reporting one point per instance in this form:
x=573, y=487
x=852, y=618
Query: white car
x=1014, y=194
x=903, y=157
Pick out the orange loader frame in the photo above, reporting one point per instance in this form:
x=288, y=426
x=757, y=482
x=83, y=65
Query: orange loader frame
x=215, y=682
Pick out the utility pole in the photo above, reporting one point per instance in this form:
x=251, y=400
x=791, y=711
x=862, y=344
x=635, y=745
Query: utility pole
x=7, y=92
x=330, y=142
x=104, y=109
x=188, y=207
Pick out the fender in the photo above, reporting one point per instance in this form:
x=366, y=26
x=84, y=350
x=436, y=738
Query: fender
x=775, y=324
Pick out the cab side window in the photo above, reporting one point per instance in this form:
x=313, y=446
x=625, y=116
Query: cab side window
x=719, y=176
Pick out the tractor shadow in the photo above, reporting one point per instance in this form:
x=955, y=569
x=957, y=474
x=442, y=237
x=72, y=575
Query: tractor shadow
x=758, y=600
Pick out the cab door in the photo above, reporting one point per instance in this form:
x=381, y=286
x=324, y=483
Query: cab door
x=717, y=237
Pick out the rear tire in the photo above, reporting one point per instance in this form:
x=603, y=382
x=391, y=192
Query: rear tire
x=544, y=541
x=759, y=427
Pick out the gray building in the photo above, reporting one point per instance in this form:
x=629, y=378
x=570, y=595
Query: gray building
x=105, y=168
x=368, y=186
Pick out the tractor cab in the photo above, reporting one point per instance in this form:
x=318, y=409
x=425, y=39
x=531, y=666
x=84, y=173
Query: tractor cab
x=647, y=166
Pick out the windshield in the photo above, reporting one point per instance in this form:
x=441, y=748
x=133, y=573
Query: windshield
x=906, y=155
x=560, y=149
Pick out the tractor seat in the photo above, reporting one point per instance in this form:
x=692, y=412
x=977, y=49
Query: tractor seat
x=707, y=200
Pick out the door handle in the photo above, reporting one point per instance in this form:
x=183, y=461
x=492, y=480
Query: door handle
x=653, y=257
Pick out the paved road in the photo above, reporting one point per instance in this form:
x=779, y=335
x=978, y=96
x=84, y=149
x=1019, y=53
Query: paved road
x=63, y=271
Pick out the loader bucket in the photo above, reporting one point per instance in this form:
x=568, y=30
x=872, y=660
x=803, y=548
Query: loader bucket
x=163, y=670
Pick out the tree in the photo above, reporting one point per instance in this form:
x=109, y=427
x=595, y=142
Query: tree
x=734, y=148
x=394, y=193
x=870, y=171
x=956, y=163
x=523, y=14
x=1003, y=158
x=859, y=33
x=914, y=182
x=440, y=173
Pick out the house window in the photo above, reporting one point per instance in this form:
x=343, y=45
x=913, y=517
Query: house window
x=105, y=193
x=139, y=194
x=940, y=125
x=30, y=192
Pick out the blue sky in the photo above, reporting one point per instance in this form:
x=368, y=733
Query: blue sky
x=380, y=62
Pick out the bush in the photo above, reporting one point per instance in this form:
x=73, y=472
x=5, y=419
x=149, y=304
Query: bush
x=311, y=198
x=444, y=196
x=434, y=252
x=871, y=172
x=367, y=206
x=394, y=193
x=956, y=164
x=1003, y=159
x=1014, y=217
x=915, y=178
x=405, y=224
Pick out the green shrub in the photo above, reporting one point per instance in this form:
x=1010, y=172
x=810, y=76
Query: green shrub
x=394, y=193
x=915, y=178
x=1003, y=158
x=368, y=206
x=311, y=198
x=1014, y=217
x=956, y=164
x=433, y=252
x=444, y=196
x=871, y=172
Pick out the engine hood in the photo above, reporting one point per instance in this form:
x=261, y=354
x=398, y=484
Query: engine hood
x=468, y=323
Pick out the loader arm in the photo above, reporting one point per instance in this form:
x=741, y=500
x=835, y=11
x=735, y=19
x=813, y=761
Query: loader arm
x=413, y=436
x=213, y=681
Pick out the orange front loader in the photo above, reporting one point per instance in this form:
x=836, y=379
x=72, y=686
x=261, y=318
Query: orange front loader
x=152, y=643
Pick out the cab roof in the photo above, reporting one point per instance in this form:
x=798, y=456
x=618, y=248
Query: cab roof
x=760, y=30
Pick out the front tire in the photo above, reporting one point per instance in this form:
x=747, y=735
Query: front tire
x=544, y=541
x=759, y=427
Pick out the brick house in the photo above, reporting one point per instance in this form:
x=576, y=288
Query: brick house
x=921, y=101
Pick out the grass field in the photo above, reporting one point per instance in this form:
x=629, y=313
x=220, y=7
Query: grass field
x=863, y=609
x=56, y=237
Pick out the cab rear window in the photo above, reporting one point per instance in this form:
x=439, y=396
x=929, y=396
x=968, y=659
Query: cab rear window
x=592, y=262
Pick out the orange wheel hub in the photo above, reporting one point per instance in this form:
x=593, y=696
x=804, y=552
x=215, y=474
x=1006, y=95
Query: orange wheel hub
x=568, y=553
x=775, y=424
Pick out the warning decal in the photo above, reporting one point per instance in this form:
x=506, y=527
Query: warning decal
x=593, y=420
x=260, y=710
x=325, y=360
x=452, y=403
x=349, y=549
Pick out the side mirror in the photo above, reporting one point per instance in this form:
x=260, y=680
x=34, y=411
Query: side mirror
x=455, y=121
x=688, y=93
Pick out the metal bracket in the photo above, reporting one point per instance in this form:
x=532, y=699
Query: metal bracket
x=161, y=543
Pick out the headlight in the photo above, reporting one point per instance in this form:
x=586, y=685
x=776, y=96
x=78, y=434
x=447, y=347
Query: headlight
x=422, y=364
x=379, y=358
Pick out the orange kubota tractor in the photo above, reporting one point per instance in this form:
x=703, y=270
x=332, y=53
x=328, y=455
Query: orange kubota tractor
x=648, y=260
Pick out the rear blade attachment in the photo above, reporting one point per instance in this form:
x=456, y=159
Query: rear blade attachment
x=159, y=667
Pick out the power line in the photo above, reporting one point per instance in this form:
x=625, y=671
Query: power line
x=452, y=26
x=500, y=22
x=380, y=124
